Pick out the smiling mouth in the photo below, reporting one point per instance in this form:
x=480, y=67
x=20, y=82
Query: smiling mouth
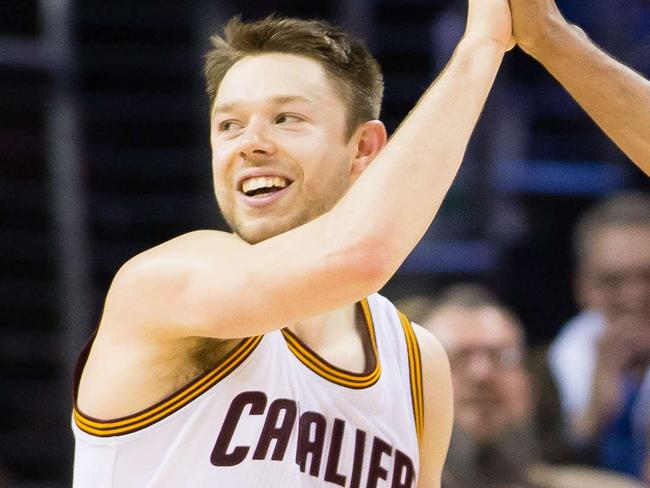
x=259, y=186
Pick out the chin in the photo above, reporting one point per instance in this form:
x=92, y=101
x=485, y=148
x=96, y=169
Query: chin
x=258, y=231
x=255, y=237
x=254, y=234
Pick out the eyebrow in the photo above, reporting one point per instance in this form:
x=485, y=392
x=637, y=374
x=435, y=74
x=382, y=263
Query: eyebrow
x=277, y=100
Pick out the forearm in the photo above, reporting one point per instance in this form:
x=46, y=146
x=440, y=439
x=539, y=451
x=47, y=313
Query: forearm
x=616, y=97
x=396, y=198
x=606, y=397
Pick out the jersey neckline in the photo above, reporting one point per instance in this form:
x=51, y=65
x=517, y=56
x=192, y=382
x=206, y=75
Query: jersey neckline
x=332, y=373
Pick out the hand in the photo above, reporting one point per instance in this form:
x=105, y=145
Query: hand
x=625, y=345
x=624, y=349
x=490, y=19
x=533, y=21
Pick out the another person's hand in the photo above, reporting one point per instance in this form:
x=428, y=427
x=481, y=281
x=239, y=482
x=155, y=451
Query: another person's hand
x=624, y=350
x=625, y=346
x=533, y=21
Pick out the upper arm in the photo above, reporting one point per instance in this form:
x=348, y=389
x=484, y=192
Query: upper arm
x=438, y=408
x=213, y=284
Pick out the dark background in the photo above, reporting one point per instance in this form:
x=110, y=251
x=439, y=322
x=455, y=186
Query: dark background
x=104, y=153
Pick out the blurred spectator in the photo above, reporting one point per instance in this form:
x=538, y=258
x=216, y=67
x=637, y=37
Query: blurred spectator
x=495, y=443
x=601, y=358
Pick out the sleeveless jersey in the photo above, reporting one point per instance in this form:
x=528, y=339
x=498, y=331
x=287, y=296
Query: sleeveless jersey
x=272, y=414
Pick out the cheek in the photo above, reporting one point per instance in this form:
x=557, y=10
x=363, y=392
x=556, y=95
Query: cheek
x=221, y=167
x=220, y=156
x=222, y=180
x=330, y=170
x=458, y=387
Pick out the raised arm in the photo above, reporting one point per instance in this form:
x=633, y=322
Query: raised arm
x=212, y=284
x=615, y=97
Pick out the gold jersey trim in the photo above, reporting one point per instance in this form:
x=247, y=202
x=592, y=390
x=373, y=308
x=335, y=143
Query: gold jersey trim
x=415, y=374
x=171, y=404
x=332, y=373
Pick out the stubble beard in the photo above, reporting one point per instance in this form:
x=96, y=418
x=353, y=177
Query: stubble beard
x=311, y=210
x=256, y=235
x=253, y=234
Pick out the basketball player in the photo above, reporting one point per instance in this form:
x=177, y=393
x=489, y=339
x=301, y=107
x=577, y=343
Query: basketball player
x=616, y=97
x=264, y=358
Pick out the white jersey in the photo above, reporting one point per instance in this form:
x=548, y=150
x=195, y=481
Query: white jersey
x=272, y=414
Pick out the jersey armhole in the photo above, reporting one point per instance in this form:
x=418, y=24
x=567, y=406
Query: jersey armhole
x=415, y=374
x=170, y=404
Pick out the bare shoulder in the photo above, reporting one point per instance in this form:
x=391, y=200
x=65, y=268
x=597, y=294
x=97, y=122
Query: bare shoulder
x=174, y=255
x=181, y=248
x=150, y=291
x=432, y=351
x=134, y=337
x=438, y=407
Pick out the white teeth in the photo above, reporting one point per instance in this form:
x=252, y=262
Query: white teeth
x=257, y=182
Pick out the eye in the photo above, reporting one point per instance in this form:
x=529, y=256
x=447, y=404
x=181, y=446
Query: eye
x=229, y=125
x=287, y=118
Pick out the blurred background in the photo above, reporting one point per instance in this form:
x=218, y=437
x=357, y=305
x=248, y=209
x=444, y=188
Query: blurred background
x=104, y=153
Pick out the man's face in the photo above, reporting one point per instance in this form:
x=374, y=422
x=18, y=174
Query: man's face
x=615, y=275
x=280, y=155
x=491, y=387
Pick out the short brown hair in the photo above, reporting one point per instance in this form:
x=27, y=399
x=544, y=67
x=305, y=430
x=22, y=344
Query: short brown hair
x=346, y=60
x=630, y=208
x=472, y=296
x=419, y=308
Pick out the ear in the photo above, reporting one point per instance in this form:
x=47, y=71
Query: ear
x=369, y=138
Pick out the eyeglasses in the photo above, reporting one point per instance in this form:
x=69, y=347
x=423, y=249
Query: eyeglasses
x=611, y=280
x=504, y=358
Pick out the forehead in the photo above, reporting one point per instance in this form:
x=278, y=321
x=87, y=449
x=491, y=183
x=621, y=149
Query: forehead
x=274, y=76
x=458, y=327
x=619, y=247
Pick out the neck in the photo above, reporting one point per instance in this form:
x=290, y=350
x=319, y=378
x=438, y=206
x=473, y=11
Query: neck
x=326, y=328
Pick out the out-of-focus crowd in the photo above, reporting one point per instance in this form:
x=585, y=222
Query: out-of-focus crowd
x=574, y=413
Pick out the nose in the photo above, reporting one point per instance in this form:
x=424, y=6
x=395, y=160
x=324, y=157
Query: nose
x=255, y=142
x=480, y=368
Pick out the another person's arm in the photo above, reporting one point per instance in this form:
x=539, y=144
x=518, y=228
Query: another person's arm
x=615, y=97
